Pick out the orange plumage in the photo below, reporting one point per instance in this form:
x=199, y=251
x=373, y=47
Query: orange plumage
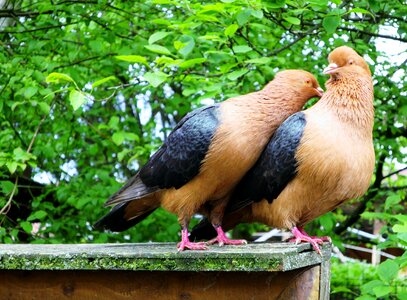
x=332, y=160
x=207, y=154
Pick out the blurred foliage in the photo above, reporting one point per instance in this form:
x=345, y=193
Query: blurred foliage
x=89, y=89
x=356, y=280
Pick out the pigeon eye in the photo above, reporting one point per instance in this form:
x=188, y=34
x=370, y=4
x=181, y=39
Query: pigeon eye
x=351, y=62
x=307, y=82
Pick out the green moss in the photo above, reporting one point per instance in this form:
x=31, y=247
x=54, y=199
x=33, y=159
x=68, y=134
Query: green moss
x=150, y=264
x=158, y=257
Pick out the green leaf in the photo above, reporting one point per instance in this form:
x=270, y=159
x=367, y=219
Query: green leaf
x=388, y=270
x=243, y=17
x=381, y=290
x=236, y=74
x=118, y=138
x=114, y=122
x=231, y=29
x=156, y=78
x=26, y=226
x=37, y=215
x=20, y=154
x=122, y=154
x=158, y=49
x=187, y=91
x=293, y=20
x=341, y=290
x=44, y=107
x=132, y=58
x=11, y=166
x=242, y=49
x=102, y=81
x=361, y=11
x=375, y=215
x=191, y=62
x=187, y=45
x=77, y=99
x=58, y=77
x=330, y=23
x=365, y=297
x=257, y=14
x=276, y=4
x=367, y=288
x=391, y=201
x=259, y=61
x=96, y=45
x=402, y=295
x=400, y=228
x=6, y=187
x=401, y=218
x=319, y=3
x=326, y=221
x=157, y=36
x=30, y=91
x=402, y=237
x=131, y=136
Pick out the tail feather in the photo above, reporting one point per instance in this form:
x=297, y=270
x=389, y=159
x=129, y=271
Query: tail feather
x=132, y=190
x=117, y=219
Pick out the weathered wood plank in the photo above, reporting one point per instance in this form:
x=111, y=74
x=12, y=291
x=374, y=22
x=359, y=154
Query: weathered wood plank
x=157, y=271
x=160, y=257
x=125, y=285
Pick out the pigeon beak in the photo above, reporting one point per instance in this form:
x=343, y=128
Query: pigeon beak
x=320, y=91
x=330, y=68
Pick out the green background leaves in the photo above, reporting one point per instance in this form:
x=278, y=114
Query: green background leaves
x=95, y=88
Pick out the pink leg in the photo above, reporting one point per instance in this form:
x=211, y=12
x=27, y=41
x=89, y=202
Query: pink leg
x=321, y=238
x=301, y=236
x=186, y=244
x=222, y=239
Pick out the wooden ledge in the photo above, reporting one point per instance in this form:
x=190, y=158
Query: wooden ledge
x=254, y=257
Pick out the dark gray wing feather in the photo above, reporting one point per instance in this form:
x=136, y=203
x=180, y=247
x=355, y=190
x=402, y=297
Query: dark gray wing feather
x=178, y=160
x=275, y=168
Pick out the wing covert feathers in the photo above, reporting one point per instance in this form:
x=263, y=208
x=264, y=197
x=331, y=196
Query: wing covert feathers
x=275, y=168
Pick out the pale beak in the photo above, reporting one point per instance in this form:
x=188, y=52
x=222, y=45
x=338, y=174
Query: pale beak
x=320, y=91
x=330, y=68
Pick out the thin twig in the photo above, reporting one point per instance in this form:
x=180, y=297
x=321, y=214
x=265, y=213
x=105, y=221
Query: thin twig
x=6, y=207
x=384, y=36
x=299, y=38
x=394, y=173
x=83, y=60
x=37, y=29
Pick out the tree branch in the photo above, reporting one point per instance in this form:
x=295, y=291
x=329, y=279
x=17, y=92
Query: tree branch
x=7, y=206
x=9, y=13
x=300, y=36
x=394, y=173
x=83, y=60
x=37, y=29
x=384, y=36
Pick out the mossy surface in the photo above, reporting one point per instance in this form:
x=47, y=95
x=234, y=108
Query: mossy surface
x=159, y=257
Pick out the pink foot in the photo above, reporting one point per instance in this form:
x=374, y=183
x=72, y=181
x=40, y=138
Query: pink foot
x=222, y=239
x=301, y=236
x=186, y=244
x=320, y=239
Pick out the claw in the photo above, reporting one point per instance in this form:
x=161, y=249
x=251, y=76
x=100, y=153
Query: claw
x=186, y=244
x=181, y=246
x=301, y=236
x=222, y=239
